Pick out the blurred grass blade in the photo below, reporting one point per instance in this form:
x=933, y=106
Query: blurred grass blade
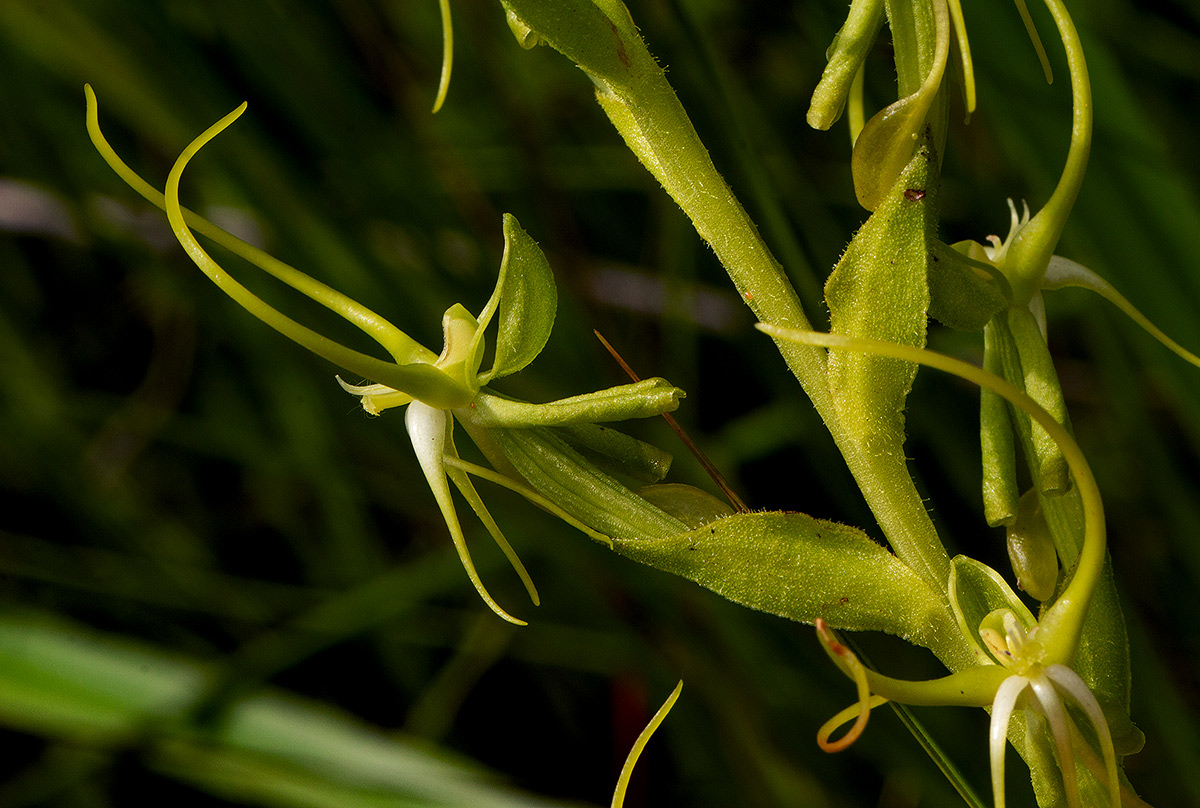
x=274, y=748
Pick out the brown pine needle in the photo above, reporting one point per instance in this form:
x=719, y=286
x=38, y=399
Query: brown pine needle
x=712, y=470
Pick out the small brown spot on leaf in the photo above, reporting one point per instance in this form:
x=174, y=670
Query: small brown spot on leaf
x=621, y=54
x=914, y=194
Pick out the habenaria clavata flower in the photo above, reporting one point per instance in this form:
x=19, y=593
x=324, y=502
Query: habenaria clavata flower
x=549, y=453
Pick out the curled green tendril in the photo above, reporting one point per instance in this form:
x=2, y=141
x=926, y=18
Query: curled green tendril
x=618, y=799
x=399, y=345
x=447, y=55
x=1031, y=248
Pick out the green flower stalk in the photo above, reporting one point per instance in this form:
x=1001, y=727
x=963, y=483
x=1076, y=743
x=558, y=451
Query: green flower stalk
x=548, y=453
x=601, y=38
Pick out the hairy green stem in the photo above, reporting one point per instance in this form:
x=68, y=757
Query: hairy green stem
x=634, y=92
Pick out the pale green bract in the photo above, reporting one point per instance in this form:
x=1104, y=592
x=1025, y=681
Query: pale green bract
x=801, y=568
x=880, y=289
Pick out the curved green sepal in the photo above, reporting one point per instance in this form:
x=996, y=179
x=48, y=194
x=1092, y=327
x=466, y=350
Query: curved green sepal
x=526, y=300
x=962, y=295
x=693, y=506
x=618, y=800
x=1063, y=272
x=447, y=55
x=846, y=56
x=402, y=348
x=429, y=384
x=976, y=591
x=966, y=65
x=801, y=568
x=421, y=380
x=638, y=400
x=879, y=289
x=1036, y=40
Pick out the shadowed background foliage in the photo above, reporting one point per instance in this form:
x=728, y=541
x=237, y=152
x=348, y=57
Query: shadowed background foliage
x=223, y=584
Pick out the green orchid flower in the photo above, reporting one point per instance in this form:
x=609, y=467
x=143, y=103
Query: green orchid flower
x=1022, y=652
x=1005, y=297
x=555, y=455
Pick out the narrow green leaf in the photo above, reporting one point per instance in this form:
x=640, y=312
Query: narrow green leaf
x=801, y=568
x=943, y=761
x=82, y=687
